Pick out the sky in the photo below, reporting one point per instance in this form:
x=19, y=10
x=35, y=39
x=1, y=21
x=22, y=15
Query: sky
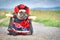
x=30, y=3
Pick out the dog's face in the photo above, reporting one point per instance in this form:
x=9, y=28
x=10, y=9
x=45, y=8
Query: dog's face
x=22, y=15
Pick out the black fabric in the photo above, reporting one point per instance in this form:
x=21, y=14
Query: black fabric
x=20, y=8
x=17, y=20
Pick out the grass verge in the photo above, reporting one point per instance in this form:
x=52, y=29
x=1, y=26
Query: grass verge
x=47, y=17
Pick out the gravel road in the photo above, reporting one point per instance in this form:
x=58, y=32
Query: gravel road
x=40, y=33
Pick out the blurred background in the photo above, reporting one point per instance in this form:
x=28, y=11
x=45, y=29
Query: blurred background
x=46, y=11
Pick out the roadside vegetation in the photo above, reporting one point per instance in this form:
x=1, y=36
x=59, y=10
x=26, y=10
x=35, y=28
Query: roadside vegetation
x=46, y=17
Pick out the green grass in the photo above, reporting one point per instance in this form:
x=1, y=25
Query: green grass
x=47, y=17
x=48, y=22
x=4, y=22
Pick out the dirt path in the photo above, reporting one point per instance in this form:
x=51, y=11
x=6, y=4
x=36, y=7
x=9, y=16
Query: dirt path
x=40, y=33
x=1, y=20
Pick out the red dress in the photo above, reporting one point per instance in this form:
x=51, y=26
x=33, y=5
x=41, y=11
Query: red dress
x=24, y=23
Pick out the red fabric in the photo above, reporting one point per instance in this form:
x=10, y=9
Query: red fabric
x=17, y=25
x=16, y=10
x=21, y=6
x=27, y=10
x=24, y=24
